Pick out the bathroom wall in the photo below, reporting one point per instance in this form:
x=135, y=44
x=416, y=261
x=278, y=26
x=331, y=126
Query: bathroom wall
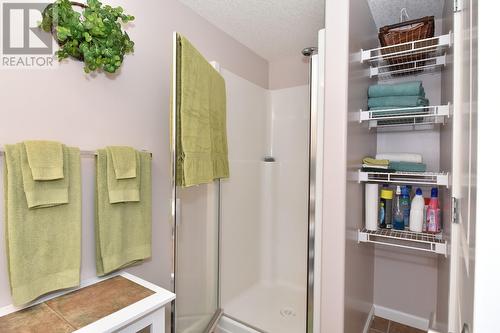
x=131, y=108
x=289, y=72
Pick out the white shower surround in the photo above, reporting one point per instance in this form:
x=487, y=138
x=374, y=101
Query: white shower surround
x=264, y=206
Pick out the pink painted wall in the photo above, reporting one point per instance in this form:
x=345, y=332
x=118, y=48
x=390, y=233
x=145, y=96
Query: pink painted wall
x=289, y=72
x=130, y=109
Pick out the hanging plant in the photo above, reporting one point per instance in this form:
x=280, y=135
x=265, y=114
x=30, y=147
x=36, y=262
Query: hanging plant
x=94, y=36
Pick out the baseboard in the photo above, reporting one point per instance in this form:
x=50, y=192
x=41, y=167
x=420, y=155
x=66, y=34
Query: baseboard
x=401, y=317
x=369, y=320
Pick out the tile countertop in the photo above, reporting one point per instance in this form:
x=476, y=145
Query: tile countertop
x=104, y=306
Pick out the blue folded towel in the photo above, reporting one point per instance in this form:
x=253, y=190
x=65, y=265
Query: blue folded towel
x=397, y=101
x=413, y=88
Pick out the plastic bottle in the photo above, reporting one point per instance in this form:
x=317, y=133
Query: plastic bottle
x=397, y=216
x=417, y=212
x=385, y=209
x=433, y=213
x=426, y=207
x=405, y=205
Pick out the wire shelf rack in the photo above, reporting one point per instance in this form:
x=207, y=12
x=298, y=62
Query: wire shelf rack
x=408, y=58
x=414, y=117
x=405, y=239
x=416, y=178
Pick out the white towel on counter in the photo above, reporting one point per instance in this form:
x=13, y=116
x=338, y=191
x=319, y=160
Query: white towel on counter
x=400, y=157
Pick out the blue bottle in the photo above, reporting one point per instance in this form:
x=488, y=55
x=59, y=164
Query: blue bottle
x=398, y=222
x=405, y=205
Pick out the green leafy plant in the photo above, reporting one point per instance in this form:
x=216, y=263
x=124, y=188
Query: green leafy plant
x=94, y=36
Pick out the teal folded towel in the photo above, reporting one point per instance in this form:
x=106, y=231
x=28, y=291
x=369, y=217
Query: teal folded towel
x=126, y=189
x=44, y=193
x=45, y=159
x=408, y=166
x=122, y=230
x=413, y=88
x=397, y=101
x=43, y=246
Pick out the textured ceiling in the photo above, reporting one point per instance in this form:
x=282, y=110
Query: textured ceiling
x=388, y=11
x=271, y=28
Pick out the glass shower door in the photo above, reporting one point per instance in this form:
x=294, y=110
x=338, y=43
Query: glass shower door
x=197, y=264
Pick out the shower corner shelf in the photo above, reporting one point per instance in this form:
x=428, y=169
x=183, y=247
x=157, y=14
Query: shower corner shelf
x=415, y=178
x=405, y=239
x=413, y=118
x=420, y=56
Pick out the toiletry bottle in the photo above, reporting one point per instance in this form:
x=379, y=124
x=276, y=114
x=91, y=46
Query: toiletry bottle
x=398, y=222
x=433, y=213
x=405, y=205
x=417, y=212
x=426, y=207
x=385, y=208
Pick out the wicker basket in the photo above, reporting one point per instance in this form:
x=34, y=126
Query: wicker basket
x=404, y=32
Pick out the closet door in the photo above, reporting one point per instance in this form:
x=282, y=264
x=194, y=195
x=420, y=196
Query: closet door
x=464, y=167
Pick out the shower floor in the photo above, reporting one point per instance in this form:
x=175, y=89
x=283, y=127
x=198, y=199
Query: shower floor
x=271, y=308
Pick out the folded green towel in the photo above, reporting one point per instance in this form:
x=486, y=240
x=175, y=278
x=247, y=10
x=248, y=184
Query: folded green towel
x=122, y=230
x=373, y=161
x=201, y=139
x=43, y=245
x=44, y=193
x=413, y=88
x=123, y=190
x=397, y=101
x=124, y=161
x=408, y=166
x=45, y=159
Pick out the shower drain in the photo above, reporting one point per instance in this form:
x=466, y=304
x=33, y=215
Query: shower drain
x=287, y=312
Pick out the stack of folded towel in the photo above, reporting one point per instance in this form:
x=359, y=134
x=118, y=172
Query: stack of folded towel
x=395, y=96
x=394, y=162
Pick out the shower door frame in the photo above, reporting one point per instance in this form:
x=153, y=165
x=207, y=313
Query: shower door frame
x=315, y=203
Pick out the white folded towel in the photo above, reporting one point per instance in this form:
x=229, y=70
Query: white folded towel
x=400, y=157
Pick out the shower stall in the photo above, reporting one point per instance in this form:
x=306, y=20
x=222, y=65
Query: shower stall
x=245, y=247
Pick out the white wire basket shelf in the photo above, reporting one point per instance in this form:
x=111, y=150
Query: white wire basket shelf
x=408, y=58
x=414, y=117
x=415, y=178
x=405, y=239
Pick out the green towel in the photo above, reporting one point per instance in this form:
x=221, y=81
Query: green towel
x=201, y=140
x=397, y=101
x=44, y=193
x=45, y=159
x=122, y=230
x=124, y=161
x=373, y=161
x=43, y=245
x=413, y=88
x=408, y=166
x=123, y=190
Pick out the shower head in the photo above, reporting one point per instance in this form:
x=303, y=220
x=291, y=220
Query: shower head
x=309, y=51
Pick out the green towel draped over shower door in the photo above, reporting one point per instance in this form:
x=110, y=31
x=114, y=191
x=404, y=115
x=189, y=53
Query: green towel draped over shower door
x=201, y=138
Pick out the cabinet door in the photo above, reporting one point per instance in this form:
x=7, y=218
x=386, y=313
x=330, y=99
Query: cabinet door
x=464, y=167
